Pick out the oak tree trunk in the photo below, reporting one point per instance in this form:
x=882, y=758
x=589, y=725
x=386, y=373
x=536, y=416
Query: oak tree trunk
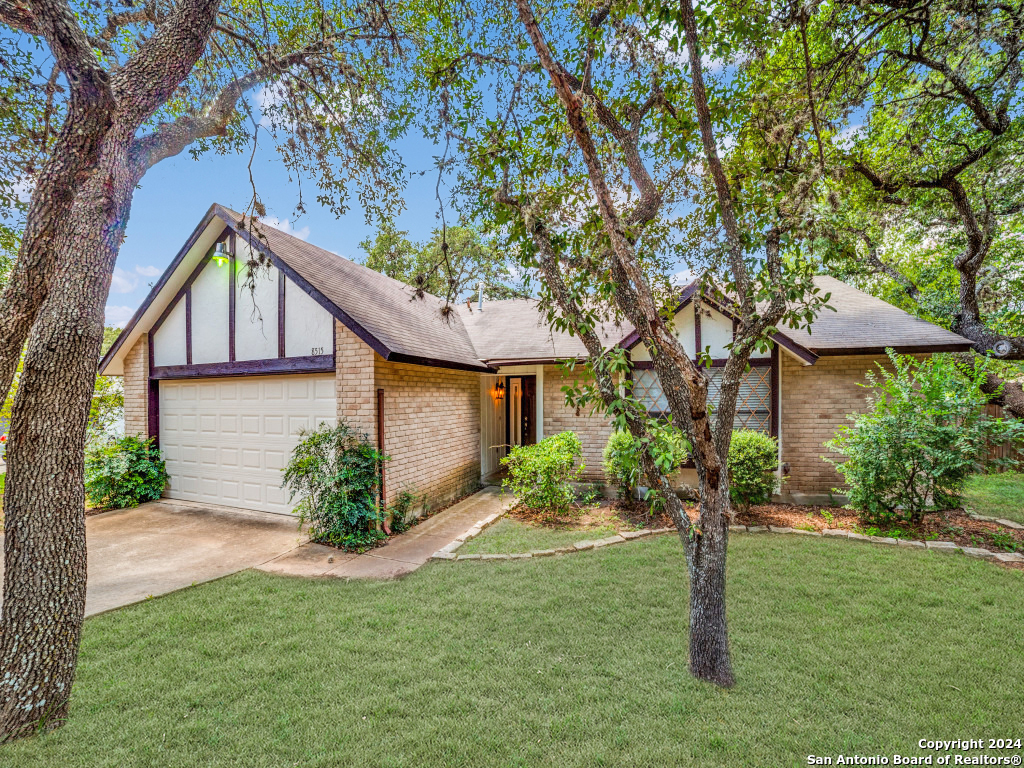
x=706, y=558
x=44, y=500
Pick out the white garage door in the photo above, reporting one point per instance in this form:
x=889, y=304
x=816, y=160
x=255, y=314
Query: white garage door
x=226, y=440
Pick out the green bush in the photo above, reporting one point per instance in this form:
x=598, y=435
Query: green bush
x=124, y=473
x=924, y=433
x=398, y=512
x=622, y=456
x=753, y=460
x=336, y=473
x=540, y=475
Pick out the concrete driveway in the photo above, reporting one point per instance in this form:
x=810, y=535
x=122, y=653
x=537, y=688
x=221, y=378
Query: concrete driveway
x=163, y=546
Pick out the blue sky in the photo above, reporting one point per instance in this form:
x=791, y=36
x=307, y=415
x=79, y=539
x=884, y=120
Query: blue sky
x=176, y=193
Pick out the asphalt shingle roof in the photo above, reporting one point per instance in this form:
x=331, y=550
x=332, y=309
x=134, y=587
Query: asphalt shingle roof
x=400, y=327
x=384, y=307
x=514, y=329
x=864, y=322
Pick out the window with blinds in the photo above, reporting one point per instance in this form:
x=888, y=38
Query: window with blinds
x=753, y=402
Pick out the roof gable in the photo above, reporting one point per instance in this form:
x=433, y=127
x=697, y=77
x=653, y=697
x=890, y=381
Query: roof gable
x=378, y=309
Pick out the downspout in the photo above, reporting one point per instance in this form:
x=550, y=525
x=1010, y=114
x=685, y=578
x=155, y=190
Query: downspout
x=380, y=449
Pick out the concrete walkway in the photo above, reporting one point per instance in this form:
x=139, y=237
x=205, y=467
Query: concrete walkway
x=164, y=546
x=401, y=555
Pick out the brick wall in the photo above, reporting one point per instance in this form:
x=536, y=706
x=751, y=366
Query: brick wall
x=593, y=431
x=353, y=372
x=136, y=389
x=431, y=430
x=815, y=402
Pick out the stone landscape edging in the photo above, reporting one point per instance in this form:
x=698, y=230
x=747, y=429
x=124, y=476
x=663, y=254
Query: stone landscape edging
x=449, y=552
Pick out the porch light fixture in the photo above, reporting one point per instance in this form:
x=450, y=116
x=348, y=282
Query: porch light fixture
x=220, y=254
x=499, y=391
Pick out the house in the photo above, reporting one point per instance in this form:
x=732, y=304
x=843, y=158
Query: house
x=224, y=368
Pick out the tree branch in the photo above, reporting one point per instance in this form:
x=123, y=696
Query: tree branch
x=150, y=76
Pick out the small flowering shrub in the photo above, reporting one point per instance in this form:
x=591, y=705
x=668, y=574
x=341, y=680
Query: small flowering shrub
x=541, y=475
x=753, y=459
x=124, y=473
x=335, y=471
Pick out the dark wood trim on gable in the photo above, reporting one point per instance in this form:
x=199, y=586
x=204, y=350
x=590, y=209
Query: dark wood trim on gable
x=684, y=296
x=308, y=364
x=697, y=340
x=280, y=313
x=336, y=311
x=188, y=326
x=215, y=211
x=232, y=289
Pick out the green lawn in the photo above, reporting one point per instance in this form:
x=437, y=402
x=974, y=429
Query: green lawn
x=998, y=495
x=509, y=535
x=571, y=661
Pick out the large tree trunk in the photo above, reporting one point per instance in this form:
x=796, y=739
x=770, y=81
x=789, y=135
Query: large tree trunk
x=709, y=637
x=44, y=504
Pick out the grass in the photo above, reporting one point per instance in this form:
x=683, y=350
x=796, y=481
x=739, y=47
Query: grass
x=571, y=661
x=509, y=535
x=997, y=495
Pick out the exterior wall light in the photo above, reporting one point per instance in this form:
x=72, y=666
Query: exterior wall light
x=220, y=254
x=499, y=391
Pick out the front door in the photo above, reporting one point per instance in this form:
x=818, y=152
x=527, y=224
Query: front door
x=521, y=416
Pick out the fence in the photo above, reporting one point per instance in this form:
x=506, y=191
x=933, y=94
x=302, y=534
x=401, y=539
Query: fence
x=1002, y=451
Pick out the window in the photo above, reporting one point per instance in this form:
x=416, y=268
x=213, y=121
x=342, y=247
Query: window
x=753, y=401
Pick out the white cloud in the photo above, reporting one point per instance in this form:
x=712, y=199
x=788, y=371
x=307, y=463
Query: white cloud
x=123, y=281
x=682, y=278
x=285, y=225
x=118, y=315
x=850, y=134
x=149, y=271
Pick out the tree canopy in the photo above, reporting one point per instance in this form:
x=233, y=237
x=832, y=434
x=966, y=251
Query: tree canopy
x=451, y=264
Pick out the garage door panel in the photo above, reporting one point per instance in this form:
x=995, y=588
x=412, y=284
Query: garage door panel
x=274, y=460
x=230, y=448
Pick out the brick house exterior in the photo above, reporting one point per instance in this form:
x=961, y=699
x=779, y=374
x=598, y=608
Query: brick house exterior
x=225, y=370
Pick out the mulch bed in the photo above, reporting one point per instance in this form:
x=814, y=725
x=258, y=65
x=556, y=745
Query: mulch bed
x=620, y=514
x=951, y=525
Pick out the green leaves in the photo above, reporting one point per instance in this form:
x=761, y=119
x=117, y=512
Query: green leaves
x=753, y=461
x=926, y=432
x=667, y=445
x=540, y=476
x=335, y=472
x=124, y=473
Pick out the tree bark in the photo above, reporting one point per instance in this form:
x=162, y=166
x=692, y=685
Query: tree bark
x=709, y=638
x=44, y=503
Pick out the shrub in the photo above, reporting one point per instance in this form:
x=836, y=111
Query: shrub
x=398, y=512
x=622, y=456
x=540, y=475
x=924, y=434
x=124, y=473
x=335, y=472
x=753, y=459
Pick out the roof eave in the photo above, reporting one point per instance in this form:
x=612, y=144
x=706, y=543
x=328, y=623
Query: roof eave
x=905, y=349
x=213, y=212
